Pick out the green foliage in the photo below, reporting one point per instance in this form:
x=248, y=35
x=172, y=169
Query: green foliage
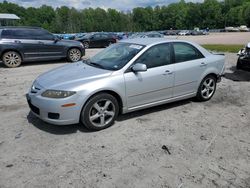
x=181, y=15
x=234, y=48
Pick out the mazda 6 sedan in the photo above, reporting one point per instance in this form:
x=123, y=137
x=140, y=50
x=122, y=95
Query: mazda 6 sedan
x=130, y=75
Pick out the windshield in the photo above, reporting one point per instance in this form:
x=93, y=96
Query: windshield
x=116, y=56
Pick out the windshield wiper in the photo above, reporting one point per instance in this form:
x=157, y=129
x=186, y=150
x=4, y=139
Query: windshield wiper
x=88, y=62
x=96, y=65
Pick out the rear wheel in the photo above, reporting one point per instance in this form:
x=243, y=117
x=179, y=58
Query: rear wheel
x=12, y=59
x=100, y=112
x=207, y=88
x=74, y=54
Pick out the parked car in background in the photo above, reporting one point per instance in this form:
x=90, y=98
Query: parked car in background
x=131, y=75
x=19, y=44
x=97, y=40
x=152, y=35
x=244, y=58
x=243, y=28
x=195, y=32
x=184, y=33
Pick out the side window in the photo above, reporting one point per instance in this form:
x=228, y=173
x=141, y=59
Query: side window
x=104, y=36
x=7, y=34
x=42, y=35
x=156, y=56
x=96, y=36
x=186, y=52
x=16, y=34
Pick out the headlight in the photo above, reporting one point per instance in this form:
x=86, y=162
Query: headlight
x=57, y=94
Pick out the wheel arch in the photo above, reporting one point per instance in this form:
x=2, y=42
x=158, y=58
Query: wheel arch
x=111, y=92
x=14, y=50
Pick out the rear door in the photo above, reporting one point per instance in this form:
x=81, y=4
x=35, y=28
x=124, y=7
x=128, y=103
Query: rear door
x=189, y=67
x=155, y=84
x=50, y=48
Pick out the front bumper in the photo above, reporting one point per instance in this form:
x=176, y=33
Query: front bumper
x=51, y=110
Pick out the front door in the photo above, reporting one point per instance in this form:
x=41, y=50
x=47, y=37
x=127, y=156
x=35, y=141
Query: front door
x=155, y=84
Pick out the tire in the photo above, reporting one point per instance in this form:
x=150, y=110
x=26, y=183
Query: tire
x=100, y=112
x=74, y=54
x=207, y=88
x=238, y=65
x=12, y=59
x=86, y=45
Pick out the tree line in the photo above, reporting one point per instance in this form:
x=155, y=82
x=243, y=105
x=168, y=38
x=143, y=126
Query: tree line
x=182, y=15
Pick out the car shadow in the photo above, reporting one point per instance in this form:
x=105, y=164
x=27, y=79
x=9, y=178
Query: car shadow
x=71, y=129
x=238, y=75
x=55, y=129
x=159, y=108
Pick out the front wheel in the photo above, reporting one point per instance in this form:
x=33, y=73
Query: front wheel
x=207, y=88
x=100, y=112
x=12, y=59
x=74, y=54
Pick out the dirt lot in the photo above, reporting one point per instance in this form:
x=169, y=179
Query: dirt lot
x=220, y=38
x=208, y=143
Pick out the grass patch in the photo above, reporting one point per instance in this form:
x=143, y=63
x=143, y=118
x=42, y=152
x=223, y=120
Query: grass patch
x=233, y=48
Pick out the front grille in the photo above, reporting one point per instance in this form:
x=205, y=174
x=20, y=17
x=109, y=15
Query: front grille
x=34, y=108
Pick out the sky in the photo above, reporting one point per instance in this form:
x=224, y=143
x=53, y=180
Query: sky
x=105, y=4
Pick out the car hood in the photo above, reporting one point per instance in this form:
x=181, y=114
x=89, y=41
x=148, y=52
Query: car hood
x=71, y=75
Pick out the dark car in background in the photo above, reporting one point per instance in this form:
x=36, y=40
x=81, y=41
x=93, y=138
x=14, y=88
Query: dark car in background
x=23, y=44
x=97, y=40
x=244, y=58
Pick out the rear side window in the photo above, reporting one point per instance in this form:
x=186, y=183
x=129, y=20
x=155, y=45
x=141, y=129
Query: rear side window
x=186, y=52
x=33, y=34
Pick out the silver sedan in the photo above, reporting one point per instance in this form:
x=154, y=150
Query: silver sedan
x=130, y=75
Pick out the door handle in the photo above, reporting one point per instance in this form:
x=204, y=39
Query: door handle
x=167, y=72
x=203, y=64
x=17, y=41
x=39, y=42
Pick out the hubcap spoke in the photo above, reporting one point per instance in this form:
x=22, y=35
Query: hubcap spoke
x=102, y=120
x=106, y=105
x=94, y=117
x=97, y=107
x=109, y=113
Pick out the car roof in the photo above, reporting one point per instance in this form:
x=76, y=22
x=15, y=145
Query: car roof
x=145, y=41
x=153, y=41
x=18, y=27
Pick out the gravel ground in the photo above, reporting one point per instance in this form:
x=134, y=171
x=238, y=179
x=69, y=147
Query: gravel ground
x=185, y=144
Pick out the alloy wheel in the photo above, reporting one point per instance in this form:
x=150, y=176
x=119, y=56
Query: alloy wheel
x=208, y=88
x=75, y=54
x=12, y=59
x=102, y=113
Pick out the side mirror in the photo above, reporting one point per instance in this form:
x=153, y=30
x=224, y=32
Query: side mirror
x=56, y=39
x=139, y=67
